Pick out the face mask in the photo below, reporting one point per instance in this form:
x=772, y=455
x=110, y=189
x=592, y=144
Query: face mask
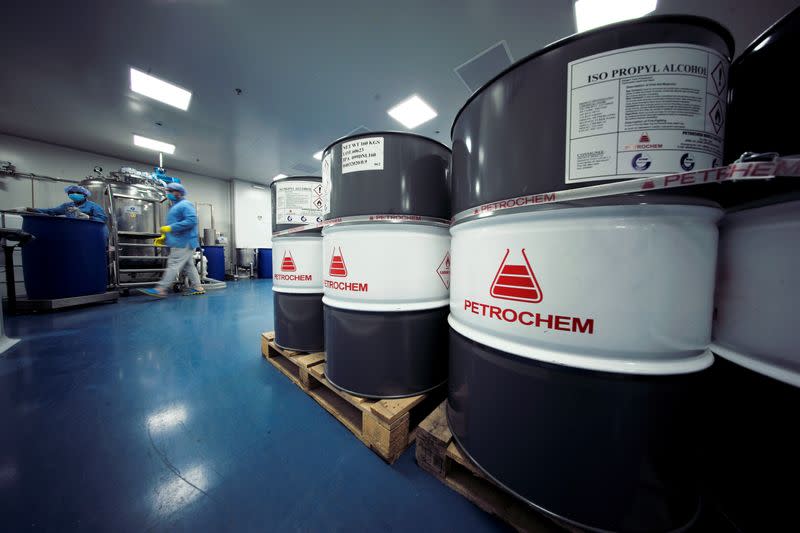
x=172, y=197
x=77, y=197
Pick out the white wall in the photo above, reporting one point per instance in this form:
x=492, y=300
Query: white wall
x=57, y=161
x=253, y=219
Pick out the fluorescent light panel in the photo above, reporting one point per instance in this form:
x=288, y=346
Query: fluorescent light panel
x=160, y=90
x=591, y=14
x=318, y=156
x=153, y=144
x=412, y=112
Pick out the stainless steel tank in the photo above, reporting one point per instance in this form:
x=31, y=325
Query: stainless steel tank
x=138, y=209
x=245, y=256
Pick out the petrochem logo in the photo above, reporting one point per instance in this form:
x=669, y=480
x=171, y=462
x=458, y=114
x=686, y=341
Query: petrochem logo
x=338, y=268
x=643, y=144
x=641, y=162
x=687, y=162
x=516, y=281
x=288, y=264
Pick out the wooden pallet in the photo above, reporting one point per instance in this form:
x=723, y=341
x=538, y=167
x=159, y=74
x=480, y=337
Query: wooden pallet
x=388, y=427
x=294, y=365
x=438, y=454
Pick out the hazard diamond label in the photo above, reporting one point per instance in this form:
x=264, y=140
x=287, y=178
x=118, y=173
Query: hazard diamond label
x=338, y=268
x=516, y=281
x=444, y=270
x=718, y=77
x=716, y=116
x=288, y=265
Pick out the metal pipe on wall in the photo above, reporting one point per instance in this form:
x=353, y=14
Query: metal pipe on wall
x=9, y=170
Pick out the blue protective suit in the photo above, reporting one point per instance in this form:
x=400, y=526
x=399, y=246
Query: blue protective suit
x=95, y=211
x=182, y=218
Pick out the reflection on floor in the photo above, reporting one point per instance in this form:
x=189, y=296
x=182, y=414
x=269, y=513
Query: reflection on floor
x=162, y=415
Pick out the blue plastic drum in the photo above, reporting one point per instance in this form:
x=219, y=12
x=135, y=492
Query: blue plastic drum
x=66, y=259
x=265, y=263
x=216, y=261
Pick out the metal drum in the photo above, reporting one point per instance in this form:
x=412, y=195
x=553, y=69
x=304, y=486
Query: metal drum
x=297, y=264
x=580, y=331
x=756, y=382
x=386, y=278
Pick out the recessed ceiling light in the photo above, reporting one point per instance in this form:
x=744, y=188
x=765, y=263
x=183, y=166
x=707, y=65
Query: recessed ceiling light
x=594, y=13
x=412, y=112
x=318, y=156
x=279, y=177
x=153, y=144
x=160, y=90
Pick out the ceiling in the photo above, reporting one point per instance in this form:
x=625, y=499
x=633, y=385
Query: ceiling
x=309, y=71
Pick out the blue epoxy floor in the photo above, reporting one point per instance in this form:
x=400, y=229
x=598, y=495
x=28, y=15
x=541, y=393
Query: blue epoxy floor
x=162, y=415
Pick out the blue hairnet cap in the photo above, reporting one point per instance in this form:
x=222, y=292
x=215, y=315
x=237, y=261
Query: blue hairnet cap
x=77, y=189
x=176, y=187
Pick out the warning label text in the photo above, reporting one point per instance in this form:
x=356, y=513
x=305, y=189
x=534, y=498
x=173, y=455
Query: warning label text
x=650, y=109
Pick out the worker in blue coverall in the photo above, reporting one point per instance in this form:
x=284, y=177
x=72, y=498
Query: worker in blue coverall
x=180, y=234
x=79, y=206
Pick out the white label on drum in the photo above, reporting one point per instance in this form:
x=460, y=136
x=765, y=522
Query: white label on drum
x=298, y=202
x=297, y=264
x=654, y=109
x=327, y=185
x=362, y=154
x=386, y=267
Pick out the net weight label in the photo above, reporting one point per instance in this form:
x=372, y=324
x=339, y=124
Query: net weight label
x=362, y=154
x=652, y=109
